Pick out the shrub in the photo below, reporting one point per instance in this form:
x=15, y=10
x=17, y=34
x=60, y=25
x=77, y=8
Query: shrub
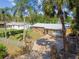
x=16, y=37
x=10, y=33
x=14, y=32
x=3, y=51
x=19, y=36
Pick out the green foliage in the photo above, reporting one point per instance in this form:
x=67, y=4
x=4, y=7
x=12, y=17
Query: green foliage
x=13, y=34
x=19, y=36
x=20, y=7
x=48, y=7
x=54, y=20
x=2, y=32
x=10, y=32
x=6, y=15
x=16, y=37
x=68, y=20
x=75, y=23
x=38, y=19
x=35, y=18
x=3, y=51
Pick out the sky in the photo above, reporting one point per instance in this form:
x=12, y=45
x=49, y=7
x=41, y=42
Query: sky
x=36, y=4
x=6, y=3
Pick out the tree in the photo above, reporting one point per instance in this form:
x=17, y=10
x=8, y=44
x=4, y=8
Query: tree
x=21, y=6
x=75, y=23
x=5, y=17
x=3, y=12
x=71, y=4
x=21, y=10
x=48, y=7
x=77, y=15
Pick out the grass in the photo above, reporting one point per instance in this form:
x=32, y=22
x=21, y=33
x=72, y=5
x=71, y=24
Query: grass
x=34, y=35
x=11, y=49
x=2, y=30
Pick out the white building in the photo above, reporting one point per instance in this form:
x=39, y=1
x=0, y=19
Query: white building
x=17, y=25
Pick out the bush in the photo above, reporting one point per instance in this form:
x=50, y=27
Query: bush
x=10, y=33
x=2, y=34
x=19, y=36
x=3, y=51
x=14, y=32
x=16, y=37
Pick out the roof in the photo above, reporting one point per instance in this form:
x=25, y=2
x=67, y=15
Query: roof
x=50, y=26
x=53, y=26
x=16, y=23
x=2, y=22
x=38, y=25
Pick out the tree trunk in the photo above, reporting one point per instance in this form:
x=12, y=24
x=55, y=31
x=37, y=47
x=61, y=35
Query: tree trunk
x=4, y=25
x=64, y=37
x=24, y=32
x=5, y=29
x=54, y=52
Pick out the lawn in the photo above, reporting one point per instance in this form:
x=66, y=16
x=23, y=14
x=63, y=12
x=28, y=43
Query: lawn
x=13, y=48
x=34, y=34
